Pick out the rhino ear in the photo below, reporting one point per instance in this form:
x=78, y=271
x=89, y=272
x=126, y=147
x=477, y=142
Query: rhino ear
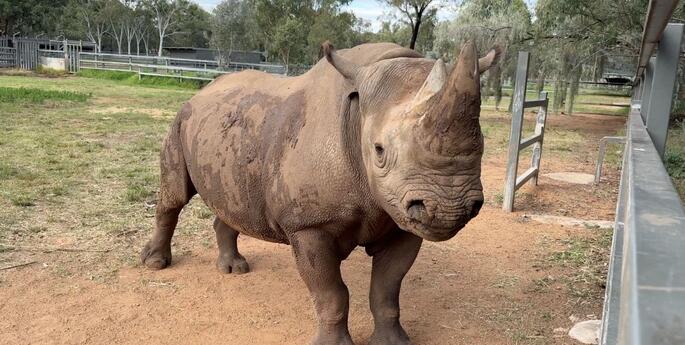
x=347, y=68
x=490, y=59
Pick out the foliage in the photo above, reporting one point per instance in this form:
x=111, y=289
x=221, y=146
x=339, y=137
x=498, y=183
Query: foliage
x=487, y=23
x=414, y=13
x=32, y=95
x=675, y=157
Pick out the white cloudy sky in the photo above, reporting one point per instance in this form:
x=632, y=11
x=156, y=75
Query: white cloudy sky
x=369, y=10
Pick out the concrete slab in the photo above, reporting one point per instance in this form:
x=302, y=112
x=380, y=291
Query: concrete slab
x=586, y=332
x=572, y=177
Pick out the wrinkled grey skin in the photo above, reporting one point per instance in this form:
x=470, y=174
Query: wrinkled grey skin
x=374, y=146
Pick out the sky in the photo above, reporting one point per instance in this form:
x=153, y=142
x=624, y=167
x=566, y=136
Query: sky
x=369, y=10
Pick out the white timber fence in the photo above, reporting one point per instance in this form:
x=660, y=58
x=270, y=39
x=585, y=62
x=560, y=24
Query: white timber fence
x=169, y=67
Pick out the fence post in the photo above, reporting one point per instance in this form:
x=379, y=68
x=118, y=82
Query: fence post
x=539, y=130
x=658, y=111
x=65, y=48
x=646, y=89
x=515, y=136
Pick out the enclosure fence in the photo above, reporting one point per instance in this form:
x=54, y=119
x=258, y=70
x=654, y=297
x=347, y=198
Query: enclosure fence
x=31, y=53
x=520, y=104
x=645, y=294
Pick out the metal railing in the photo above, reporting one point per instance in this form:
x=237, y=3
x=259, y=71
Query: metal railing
x=8, y=57
x=516, y=144
x=645, y=295
x=169, y=67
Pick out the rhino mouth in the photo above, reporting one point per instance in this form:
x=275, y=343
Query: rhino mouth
x=435, y=233
x=423, y=219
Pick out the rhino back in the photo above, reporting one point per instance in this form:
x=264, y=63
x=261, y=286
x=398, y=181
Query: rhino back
x=264, y=153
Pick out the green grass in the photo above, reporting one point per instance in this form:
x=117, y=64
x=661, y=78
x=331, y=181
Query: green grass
x=590, y=101
x=34, y=95
x=675, y=157
x=51, y=72
x=85, y=170
x=131, y=78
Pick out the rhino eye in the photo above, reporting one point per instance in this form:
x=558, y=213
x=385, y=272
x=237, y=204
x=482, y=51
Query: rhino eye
x=379, y=150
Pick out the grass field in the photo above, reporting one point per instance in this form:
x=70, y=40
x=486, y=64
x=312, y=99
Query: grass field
x=589, y=101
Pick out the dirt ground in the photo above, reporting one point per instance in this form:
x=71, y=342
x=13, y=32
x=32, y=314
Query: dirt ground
x=502, y=280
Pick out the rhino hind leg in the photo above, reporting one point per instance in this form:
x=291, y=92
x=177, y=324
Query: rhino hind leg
x=230, y=260
x=175, y=191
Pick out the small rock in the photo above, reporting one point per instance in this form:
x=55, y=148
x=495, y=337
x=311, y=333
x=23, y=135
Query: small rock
x=586, y=332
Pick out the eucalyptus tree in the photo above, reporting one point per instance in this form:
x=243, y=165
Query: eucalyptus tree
x=414, y=13
x=500, y=22
x=234, y=27
x=94, y=16
x=165, y=17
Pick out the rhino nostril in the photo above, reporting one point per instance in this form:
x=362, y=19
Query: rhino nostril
x=475, y=208
x=416, y=209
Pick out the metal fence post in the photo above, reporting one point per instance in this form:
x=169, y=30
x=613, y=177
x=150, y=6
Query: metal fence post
x=658, y=112
x=516, y=125
x=539, y=130
x=647, y=89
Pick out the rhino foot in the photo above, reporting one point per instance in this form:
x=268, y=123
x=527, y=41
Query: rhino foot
x=343, y=339
x=389, y=336
x=232, y=264
x=155, y=258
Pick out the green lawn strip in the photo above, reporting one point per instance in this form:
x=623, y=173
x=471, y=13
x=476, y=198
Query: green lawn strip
x=36, y=95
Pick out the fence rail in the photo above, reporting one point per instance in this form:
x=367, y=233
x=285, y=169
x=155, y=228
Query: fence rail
x=8, y=57
x=169, y=67
x=645, y=295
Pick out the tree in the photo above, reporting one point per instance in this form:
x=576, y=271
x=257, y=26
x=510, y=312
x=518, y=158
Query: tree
x=165, y=16
x=234, y=27
x=194, y=27
x=118, y=16
x=94, y=17
x=500, y=22
x=414, y=12
x=30, y=17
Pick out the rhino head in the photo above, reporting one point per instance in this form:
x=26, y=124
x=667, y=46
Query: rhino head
x=420, y=138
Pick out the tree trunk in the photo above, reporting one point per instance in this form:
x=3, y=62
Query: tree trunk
x=599, y=68
x=558, y=98
x=497, y=85
x=415, y=31
x=573, y=90
x=161, y=44
x=541, y=81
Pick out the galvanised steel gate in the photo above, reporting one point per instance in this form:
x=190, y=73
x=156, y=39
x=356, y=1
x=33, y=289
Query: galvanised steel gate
x=27, y=53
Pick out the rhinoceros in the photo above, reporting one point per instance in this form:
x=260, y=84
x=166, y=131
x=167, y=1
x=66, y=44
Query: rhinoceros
x=375, y=146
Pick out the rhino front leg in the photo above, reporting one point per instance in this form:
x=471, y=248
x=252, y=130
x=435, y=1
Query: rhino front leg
x=392, y=258
x=318, y=261
x=230, y=260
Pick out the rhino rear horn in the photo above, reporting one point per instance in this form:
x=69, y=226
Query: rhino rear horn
x=347, y=68
x=432, y=86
